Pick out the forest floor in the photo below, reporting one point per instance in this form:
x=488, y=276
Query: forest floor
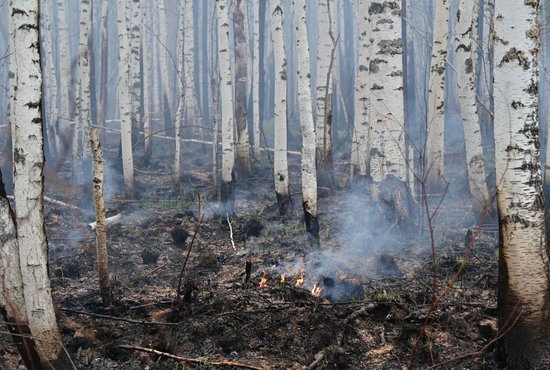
x=376, y=284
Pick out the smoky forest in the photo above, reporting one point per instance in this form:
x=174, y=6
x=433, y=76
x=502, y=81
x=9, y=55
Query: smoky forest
x=274, y=184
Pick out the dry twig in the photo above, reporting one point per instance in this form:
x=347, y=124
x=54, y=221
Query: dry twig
x=188, y=360
x=231, y=232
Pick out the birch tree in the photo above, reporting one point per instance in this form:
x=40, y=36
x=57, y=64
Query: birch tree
x=104, y=64
x=227, y=191
x=436, y=96
x=326, y=54
x=182, y=107
x=387, y=128
x=309, y=172
x=85, y=78
x=192, y=111
x=27, y=139
x=63, y=75
x=255, y=66
x=280, y=161
x=467, y=62
x=163, y=62
x=523, y=291
x=241, y=89
x=124, y=98
x=359, y=147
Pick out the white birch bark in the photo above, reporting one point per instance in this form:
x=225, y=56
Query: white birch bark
x=280, y=160
x=147, y=77
x=135, y=68
x=436, y=96
x=360, y=143
x=192, y=112
x=387, y=128
x=64, y=79
x=163, y=60
x=309, y=172
x=124, y=98
x=50, y=82
x=104, y=66
x=326, y=55
x=85, y=76
x=182, y=98
x=243, y=165
x=523, y=257
x=27, y=139
x=255, y=5
x=467, y=62
x=12, y=300
x=227, y=194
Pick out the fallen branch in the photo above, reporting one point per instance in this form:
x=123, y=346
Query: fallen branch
x=200, y=361
x=108, y=221
x=53, y=201
x=115, y=318
x=231, y=232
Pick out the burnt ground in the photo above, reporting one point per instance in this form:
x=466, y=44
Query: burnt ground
x=377, y=284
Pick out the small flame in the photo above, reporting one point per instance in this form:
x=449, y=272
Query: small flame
x=300, y=280
x=316, y=291
x=263, y=281
x=282, y=278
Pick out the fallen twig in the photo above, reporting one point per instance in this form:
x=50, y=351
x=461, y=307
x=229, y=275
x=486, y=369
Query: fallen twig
x=115, y=318
x=231, y=232
x=203, y=361
x=53, y=201
x=108, y=221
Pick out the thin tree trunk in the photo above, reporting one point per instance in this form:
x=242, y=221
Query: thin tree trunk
x=163, y=61
x=147, y=76
x=227, y=193
x=326, y=55
x=64, y=80
x=85, y=77
x=256, y=76
x=241, y=91
x=101, y=230
x=104, y=66
x=309, y=173
x=136, y=71
x=523, y=290
x=436, y=96
x=280, y=161
x=360, y=143
x=466, y=62
x=125, y=99
x=182, y=101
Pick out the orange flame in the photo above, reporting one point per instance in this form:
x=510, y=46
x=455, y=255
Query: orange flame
x=282, y=278
x=263, y=281
x=300, y=280
x=316, y=291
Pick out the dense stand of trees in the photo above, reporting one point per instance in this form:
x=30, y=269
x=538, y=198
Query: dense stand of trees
x=274, y=75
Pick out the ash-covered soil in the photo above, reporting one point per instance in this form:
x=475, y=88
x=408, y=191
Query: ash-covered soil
x=376, y=284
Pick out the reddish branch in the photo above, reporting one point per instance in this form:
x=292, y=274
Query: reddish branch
x=200, y=361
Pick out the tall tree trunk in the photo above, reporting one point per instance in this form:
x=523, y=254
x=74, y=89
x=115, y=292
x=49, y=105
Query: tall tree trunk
x=27, y=139
x=436, y=97
x=360, y=143
x=466, y=62
x=241, y=89
x=227, y=193
x=280, y=161
x=309, y=172
x=192, y=112
x=387, y=130
x=85, y=78
x=124, y=99
x=64, y=80
x=523, y=291
x=50, y=83
x=255, y=65
x=326, y=56
x=146, y=58
x=182, y=101
x=104, y=67
x=163, y=61
x=136, y=71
